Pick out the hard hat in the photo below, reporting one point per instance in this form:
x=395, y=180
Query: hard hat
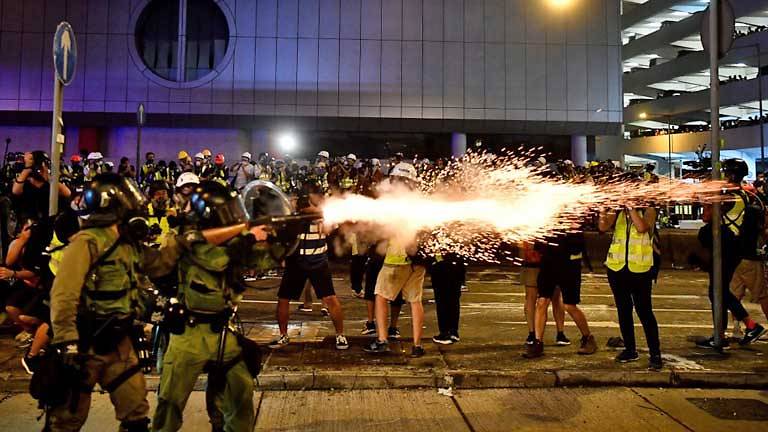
x=206, y=153
x=324, y=154
x=404, y=170
x=186, y=179
x=199, y=156
x=246, y=155
x=75, y=159
x=375, y=162
x=219, y=159
x=183, y=155
x=352, y=156
x=95, y=156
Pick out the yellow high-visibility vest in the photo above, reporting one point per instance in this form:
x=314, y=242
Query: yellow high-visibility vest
x=630, y=248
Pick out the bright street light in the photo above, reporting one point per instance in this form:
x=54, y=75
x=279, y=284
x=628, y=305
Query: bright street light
x=560, y=3
x=286, y=141
x=643, y=116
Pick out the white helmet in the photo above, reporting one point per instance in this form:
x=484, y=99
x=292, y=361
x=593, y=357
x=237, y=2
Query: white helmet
x=246, y=155
x=404, y=170
x=324, y=154
x=352, y=156
x=375, y=162
x=95, y=156
x=199, y=156
x=187, y=178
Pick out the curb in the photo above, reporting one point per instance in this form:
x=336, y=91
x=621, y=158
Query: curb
x=469, y=379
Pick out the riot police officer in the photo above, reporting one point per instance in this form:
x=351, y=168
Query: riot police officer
x=210, y=260
x=94, y=303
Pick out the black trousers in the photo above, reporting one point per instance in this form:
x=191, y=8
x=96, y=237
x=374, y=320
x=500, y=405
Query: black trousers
x=357, y=272
x=730, y=302
x=447, y=278
x=633, y=290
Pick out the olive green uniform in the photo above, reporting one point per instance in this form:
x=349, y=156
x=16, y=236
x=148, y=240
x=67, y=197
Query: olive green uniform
x=204, y=291
x=109, y=290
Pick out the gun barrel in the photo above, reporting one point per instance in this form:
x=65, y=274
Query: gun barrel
x=283, y=220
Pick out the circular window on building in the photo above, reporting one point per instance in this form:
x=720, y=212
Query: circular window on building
x=182, y=41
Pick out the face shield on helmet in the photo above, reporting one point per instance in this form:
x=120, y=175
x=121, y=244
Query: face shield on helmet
x=112, y=198
x=216, y=206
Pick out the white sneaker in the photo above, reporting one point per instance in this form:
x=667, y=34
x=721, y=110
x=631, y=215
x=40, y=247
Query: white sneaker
x=23, y=335
x=341, y=342
x=737, y=332
x=280, y=342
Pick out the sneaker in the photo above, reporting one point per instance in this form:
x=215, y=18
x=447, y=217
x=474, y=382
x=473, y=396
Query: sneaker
x=710, y=344
x=737, y=332
x=455, y=338
x=417, y=351
x=753, y=335
x=627, y=356
x=534, y=350
x=25, y=343
x=280, y=342
x=377, y=347
x=359, y=294
x=393, y=333
x=324, y=312
x=369, y=328
x=303, y=308
x=442, y=339
x=341, y=342
x=654, y=363
x=30, y=363
x=562, y=339
x=531, y=338
x=588, y=345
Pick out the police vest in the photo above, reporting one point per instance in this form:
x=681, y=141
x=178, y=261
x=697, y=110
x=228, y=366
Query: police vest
x=202, y=280
x=630, y=248
x=112, y=286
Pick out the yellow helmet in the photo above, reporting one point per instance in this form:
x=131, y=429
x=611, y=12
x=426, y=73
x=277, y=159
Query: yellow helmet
x=206, y=153
x=183, y=155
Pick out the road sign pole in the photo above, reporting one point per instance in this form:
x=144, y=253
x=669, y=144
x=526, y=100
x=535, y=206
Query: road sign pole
x=138, y=151
x=64, y=62
x=57, y=142
x=714, y=104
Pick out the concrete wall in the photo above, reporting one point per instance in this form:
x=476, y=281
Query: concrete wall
x=415, y=59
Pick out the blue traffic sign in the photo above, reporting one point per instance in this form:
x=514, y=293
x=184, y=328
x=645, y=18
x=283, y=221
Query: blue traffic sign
x=64, y=53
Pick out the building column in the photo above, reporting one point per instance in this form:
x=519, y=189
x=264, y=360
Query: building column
x=458, y=144
x=579, y=150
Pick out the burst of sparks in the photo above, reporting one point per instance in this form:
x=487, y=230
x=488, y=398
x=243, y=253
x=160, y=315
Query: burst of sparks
x=477, y=204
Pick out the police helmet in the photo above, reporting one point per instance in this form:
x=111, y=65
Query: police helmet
x=215, y=205
x=735, y=169
x=112, y=198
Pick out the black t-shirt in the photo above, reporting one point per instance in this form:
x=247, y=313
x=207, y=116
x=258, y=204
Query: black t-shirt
x=33, y=202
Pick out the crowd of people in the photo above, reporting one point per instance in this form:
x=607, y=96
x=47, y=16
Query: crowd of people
x=170, y=246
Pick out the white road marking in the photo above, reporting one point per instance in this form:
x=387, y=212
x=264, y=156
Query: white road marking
x=610, y=324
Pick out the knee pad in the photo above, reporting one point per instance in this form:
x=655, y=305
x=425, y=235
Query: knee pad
x=141, y=425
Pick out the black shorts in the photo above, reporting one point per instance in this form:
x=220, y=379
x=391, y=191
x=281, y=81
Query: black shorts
x=31, y=301
x=567, y=278
x=294, y=278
